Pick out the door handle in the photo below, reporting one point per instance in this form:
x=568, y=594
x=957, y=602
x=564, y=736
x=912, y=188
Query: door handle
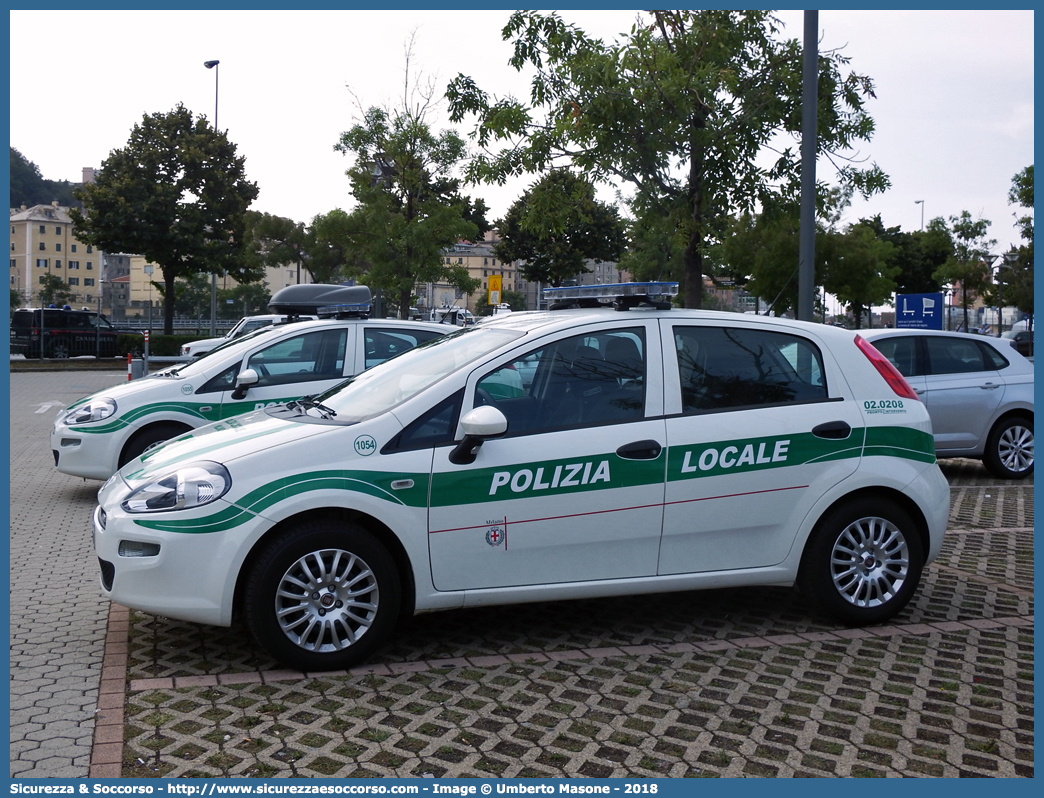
x=640, y=450
x=990, y=386
x=832, y=430
x=920, y=391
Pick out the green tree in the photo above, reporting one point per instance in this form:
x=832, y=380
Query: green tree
x=406, y=216
x=191, y=295
x=917, y=255
x=760, y=252
x=1017, y=286
x=28, y=186
x=332, y=254
x=247, y=299
x=177, y=194
x=684, y=110
x=16, y=300
x=969, y=265
x=555, y=226
x=54, y=290
x=272, y=241
x=858, y=268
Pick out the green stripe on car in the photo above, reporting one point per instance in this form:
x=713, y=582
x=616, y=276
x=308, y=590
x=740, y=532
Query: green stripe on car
x=568, y=475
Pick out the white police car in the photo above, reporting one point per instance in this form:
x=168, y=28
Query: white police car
x=98, y=434
x=650, y=449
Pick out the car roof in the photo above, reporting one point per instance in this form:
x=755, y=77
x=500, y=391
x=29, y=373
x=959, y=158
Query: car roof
x=549, y=320
x=236, y=345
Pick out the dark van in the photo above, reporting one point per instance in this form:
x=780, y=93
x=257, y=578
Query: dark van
x=61, y=333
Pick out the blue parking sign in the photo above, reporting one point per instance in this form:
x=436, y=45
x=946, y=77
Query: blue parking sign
x=919, y=311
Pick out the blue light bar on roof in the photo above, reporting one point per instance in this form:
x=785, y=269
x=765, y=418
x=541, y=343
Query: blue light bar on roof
x=346, y=309
x=621, y=294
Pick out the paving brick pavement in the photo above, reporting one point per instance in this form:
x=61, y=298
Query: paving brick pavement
x=57, y=615
x=717, y=683
x=711, y=684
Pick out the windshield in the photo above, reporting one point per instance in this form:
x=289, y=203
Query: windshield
x=382, y=387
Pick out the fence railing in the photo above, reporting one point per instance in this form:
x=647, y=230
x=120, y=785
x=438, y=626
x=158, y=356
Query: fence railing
x=182, y=325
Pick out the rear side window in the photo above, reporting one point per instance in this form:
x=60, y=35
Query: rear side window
x=994, y=357
x=957, y=356
x=722, y=368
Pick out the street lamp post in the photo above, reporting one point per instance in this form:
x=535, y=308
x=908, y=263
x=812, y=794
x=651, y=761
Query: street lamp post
x=213, y=276
x=921, y=203
x=1010, y=259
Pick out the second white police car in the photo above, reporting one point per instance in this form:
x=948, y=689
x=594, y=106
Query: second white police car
x=571, y=453
x=271, y=365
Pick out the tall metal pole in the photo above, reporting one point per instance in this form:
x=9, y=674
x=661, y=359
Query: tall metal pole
x=213, y=277
x=807, y=236
x=921, y=203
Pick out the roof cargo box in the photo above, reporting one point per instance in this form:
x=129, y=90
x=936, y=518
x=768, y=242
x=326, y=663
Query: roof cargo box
x=322, y=300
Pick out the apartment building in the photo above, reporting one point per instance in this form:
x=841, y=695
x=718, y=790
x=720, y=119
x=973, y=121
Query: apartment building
x=481, y=263
x=42, y=243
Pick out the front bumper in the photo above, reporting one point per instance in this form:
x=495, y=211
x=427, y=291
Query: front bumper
x=189, y=576
x=88, y=455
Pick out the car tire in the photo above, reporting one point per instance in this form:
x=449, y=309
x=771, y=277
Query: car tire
x=1009, y=448
x=303, y=627
x=863, y=561
x=59, y=350
x=147, y=438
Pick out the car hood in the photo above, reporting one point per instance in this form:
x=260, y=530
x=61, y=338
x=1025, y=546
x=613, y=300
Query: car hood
x=132, y=393
x=222, y=441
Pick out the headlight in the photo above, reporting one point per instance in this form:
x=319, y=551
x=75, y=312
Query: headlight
x=192, y=485
x=94, y=410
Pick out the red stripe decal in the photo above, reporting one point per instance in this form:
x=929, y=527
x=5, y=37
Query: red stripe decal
x=618, y=510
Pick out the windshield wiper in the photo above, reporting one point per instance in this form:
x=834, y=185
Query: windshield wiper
x=308, y=402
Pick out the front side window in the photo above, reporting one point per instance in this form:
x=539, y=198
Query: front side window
x=433, y=428
x=722, y=368
x=902, y=353
x=313, y=356
x=594, y=378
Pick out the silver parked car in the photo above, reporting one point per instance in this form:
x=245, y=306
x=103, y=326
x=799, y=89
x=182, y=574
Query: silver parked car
x=978, y=391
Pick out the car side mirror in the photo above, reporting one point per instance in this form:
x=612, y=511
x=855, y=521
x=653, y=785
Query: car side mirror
x=245, y=379
x=479, y=424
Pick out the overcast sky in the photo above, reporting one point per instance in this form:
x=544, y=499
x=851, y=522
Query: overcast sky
x=954, y=107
